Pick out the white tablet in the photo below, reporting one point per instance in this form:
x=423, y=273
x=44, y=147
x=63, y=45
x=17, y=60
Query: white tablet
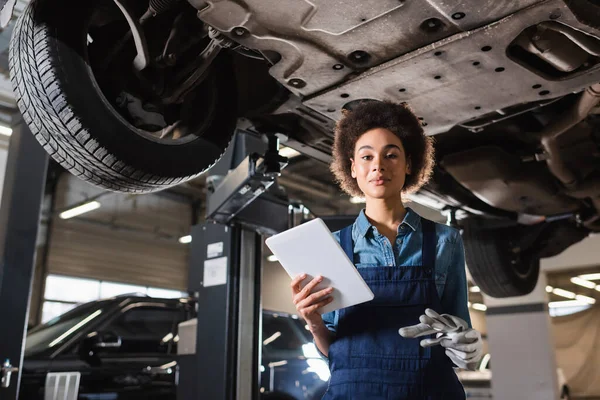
x=312, y=249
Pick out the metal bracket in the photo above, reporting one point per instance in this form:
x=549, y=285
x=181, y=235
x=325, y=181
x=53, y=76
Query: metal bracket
x=245, y=183
x=7, y=370
x=142, y=58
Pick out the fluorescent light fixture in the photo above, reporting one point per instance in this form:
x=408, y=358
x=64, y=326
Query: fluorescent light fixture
x=82, y=209
x=590, y=277
x=586, y=299
x=5, y=130
x=185, y=239
x=357, y=200
x=73, y=329
x=563, y=293
x=598, y=288
x=272, y=338
x=475, y=289
x=288, y=152
x=567, y=303
x=479, y=306
x=277, y=363
x=168, y=337
x=272, y=258
x=468, y=304
x=583, y=282
x=549, y=289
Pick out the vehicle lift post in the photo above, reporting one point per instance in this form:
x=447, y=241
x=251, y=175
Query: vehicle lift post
x=22, y=194
x=225, y=272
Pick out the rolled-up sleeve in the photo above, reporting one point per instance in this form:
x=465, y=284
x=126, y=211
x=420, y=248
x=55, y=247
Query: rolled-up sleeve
x=455, y=296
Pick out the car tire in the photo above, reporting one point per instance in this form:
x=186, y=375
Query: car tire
x=63, y=106
x=497, y=262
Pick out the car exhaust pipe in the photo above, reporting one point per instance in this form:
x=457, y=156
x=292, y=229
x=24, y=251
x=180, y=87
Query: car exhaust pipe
x=549, y=136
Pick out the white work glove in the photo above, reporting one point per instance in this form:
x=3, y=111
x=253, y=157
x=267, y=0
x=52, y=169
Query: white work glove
x=463, y=345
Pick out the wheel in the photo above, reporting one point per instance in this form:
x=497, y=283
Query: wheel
x=501, y=261
x=102, y=120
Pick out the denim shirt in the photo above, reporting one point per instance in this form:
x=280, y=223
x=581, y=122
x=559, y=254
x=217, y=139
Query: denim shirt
x=372, y=249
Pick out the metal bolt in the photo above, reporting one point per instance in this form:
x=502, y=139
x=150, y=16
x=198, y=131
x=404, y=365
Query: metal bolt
x=458, y=15
x=240, y=31
x=338, y=66
x=359, y=56
x=297, y=83
x=171, y=59
x=432, y=25
x=556, y=14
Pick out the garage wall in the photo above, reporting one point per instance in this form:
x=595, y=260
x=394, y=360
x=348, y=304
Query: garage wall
x=131, y=238
x=83, y=250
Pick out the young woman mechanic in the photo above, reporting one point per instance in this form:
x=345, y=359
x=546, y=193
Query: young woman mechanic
x=405, y=342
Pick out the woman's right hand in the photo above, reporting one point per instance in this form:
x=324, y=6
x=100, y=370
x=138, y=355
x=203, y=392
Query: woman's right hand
x=309, y=305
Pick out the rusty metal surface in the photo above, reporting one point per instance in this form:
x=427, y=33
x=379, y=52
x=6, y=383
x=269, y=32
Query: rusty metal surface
x=316, y=39
x=462, y=87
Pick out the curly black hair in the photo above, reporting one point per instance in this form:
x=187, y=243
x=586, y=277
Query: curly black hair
x=398, y=119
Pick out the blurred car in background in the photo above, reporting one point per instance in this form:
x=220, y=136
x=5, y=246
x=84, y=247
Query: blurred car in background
x=126, y=348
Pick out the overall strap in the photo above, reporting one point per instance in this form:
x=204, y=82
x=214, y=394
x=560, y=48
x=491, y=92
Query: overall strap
x=429, y=243
x=346, y=242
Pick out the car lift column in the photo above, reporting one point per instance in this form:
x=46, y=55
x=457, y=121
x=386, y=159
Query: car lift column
x=24, y=180
x=227, y=283
x=521, y=346
x=225, y=272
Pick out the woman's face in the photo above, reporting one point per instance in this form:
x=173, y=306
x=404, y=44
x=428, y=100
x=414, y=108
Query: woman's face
x=379, y=164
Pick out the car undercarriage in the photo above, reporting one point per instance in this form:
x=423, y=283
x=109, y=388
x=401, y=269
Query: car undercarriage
x=509, y=91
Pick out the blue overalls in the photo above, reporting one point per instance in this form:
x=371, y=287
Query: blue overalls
x=369, y=359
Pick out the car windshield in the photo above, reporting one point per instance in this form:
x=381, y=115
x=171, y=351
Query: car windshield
x=62, y=327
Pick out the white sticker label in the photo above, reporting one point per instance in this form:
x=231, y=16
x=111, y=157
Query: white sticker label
x=215, y=272
x=214, y=250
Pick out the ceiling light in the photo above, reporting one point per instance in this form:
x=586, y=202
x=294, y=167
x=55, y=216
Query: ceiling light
x=590, y=277
x=549, y=288
x=563, y=293
x=277, y=363
x=272, y=338
x=272, y=258
x=288, y=152
x=567, y=303
x=82, y=209
x=357, y=200
x=479, y=306
x=582, y=282
x=185, y=239
x=586, y=299
x=468, y=304
x=5, y=130
x=475, y=289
